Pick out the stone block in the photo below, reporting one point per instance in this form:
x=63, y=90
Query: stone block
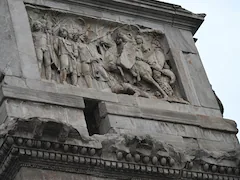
x=216, y=146
x=185, y=81
x=180, y=39
x=200, y=81
x=24, y=41
x=86, y=93
x=41, y=96
x=158, y=114
x=38, y=174
x=159, y=104
x=113, y=108
x=27, y=110
x=127, y=100
x=9, y=55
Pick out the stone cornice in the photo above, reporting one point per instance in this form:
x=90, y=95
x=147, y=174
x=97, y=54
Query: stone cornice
x=17, y=152
x=152, y=10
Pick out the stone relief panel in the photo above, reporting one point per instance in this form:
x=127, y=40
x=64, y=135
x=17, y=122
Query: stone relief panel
x=104, y=55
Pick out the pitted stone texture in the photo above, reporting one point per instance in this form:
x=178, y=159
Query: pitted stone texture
x=66, y=115
x=138, y=126
x=38, y=174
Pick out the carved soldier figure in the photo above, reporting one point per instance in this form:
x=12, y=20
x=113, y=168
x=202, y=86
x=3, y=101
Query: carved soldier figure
x=165, y=79
x=98, y=69
x=126, y=50
x=64, y=50
x=109, y=51
x=75, y=59
x=142, y=67
x=41, y=46
x=155, y=58
x=86, y=58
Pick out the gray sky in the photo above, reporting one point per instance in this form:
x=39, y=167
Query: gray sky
x=218, y=45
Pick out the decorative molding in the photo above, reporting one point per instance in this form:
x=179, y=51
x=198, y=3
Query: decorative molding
x=171, y=14
x=17, y=152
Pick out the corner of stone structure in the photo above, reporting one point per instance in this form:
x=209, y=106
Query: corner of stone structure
x=108, y=90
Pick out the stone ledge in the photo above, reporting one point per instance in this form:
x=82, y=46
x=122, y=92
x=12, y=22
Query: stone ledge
x=205, y=122
x=173, y=15
x=26, y=94
x=128, y=101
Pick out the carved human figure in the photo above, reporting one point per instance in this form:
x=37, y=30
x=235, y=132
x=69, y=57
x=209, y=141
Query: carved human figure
x=108, y=49
x=98, y=69
x=145, y=72
x=75, y=59
x=155, y=58
x=161, y=70
x=86, y=58
x=64, y=48
x=126, y=50
x=141, y=66
x=42, y=48
x=165, y=79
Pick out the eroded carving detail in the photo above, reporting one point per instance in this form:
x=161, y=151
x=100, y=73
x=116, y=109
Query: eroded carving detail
x=104, y=55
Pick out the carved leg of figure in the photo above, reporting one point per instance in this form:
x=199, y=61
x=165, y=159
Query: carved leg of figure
x=63, y=76
x=87, y=74
x=79, y=69
x=104, y=73
x=170, y=74
x=39, y=54
x=121, y=71
x=64, y=67
x=47, y=64
x=48, y=72
x=74, y=74
x=88, y=80
x=149, y=79
x=134, y=71
x=74, y=78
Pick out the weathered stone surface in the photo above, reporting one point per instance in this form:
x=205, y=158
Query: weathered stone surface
x=37, y=174
x=180, y=39
x=41, y=96
x=160, y=105
x=110, y=97
x=200, y=81
x=158, y=128
x=27, y=110
x=131, y=12
x=9, y=59
x=46, y=117
x=24, y=41
x=208, y=122
x=186, y=83
x=119, y=58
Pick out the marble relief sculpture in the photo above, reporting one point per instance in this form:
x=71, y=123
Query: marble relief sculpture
x=103, y=55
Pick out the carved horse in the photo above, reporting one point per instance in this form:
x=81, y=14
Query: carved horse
x=145, y=72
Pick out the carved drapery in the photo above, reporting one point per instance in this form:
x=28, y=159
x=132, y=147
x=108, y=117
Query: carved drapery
x=107, y=56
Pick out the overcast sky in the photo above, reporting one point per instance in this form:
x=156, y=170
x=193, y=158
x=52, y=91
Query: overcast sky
x=218, y=45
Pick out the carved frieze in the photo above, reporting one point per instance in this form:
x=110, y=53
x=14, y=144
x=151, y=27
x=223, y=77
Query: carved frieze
x=104, y=55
